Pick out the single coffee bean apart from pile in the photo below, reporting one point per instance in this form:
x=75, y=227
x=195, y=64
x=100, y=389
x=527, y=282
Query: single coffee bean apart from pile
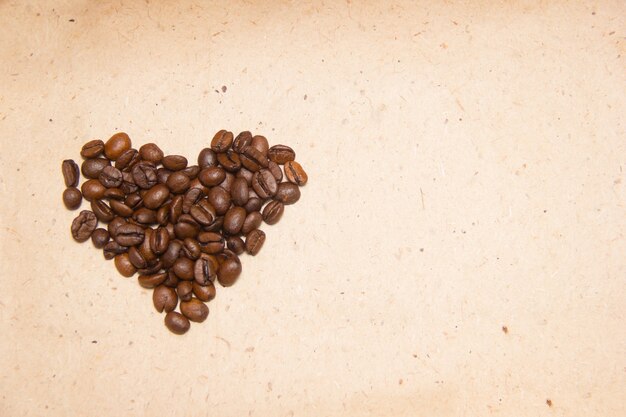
x=281, y=154
x=254, y=241
x=194, y=310
x=72, y=198
x=117, y=145
x=83, y=225
x=177, y=323
x=92, y=149
x=71, y=173
x=295, y=173
x=164, y=299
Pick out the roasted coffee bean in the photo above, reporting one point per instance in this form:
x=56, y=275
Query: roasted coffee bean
x=287, y=193
x=145, y=216
x=112, y=248
x=211, y=242
x=203, y=212
x=261, y=144
x=275, y=170
x=228, y=182
x=91, y=168
x=99, y=238
x=281, y=154
x=129, y=234
x=156, y=196
x=159, y=240
x=273, y=211
x=239, y=192
x=151, y=152
x=205, y=269
x=144, y=175
x=204, y=293
x=114, y=224
x=219, y=199
x=153, y=267
x=191, y=197
x=102, y=211
x=207, y=158
x=211, y=176
x=92, y=149
x=229, y=161
x=117, y=145
x=176, y=208
x=70, y=171
x=177, y=323
x=254, y=241
x=253, y=204
x=172, y=253
x=246, y=175
x=186, y=227
x=191, y=248
x=83, y=225
x=163, y=214
x=172, y=280
x=253, y=221
x=178, y=182
x=152, y=280
x=184, y=289
x=163, y=175
x=133, y=201
x=215, y=226
x=221, y=141
x=229, y=271
x=145, y=248
x=127, y=160
x=233, y=220
x=120, y=208
x=236, y=244
x=128, y=183
x=192, y=171
x=264, y=183
x=72, y=198
x=174, y=162
x=136, y=258
x=164, y=299
x=184, y=268
x=123, y=265
x=92, y=190
x=295, y=173
x=195, y=310
x=253, y=159
x=195, y=183
x=241, y=141
x=114, y=194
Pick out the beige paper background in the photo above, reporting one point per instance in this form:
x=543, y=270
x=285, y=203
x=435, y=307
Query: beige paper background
x=466, y=167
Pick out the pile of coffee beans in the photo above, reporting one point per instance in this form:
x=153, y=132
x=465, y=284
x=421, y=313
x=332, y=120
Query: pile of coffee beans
x=181, y=226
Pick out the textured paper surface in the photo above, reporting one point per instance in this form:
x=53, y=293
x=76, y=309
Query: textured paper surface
x=466, y=168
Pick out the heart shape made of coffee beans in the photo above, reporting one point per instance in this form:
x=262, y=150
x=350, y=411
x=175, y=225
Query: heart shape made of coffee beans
x=181, y=226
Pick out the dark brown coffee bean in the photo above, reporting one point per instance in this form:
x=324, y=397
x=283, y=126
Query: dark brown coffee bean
x=192, y=171
x=171, y=254
x=221, y=141
x=229, y=161
x=178, y=182
x=228, y=182
x=156, y=196
x=163, y=175
x=207, y=158
x=191, y=248
x=136, y=258
x=176, y=208
x=236, y=244
x=71, y=174
x=273, y=211
x=184, y=268
x=112, y=248
x=72, y=198
x=184, y=289
x=153, y=267
x=144, y=216
x=144, y=175
x=195, y=310
x=191, y=197
x=215, y=226
x=102, y=211
x=281, y=154
x=129, y=234
x=145, y=248
x=120, y=208
x=241, y=141
x=186, y=227
x=275, y=170
x=246, y=175
x=254, y=241
x=203, y=212
x=253, y=159
x=92, y=190
x=233, y=220
x=260, y=142
x=123, y=265
x=114, y=194
x=204, y=293
x=253, y=204
x=229, y=271
x=211, y=176
x=159, y=240
x=163, y=214
x=110, y=177
x=128, y=183
x=117, y=145
x=127, y=160
x=164, y=299
x=92, y=149
x=176, y=322
x=219, y=199
x=172, y=280
x=211, y=242
x=205, y=269
x=287, y=193
x=195, y=183
x=99, y=238
x=253, y=221
x=239, y=192
x=91, y=168
x=174, y=162
x=151, y=152
x=264, y=183
x=83, y=225
x=114, y=224
x=152, y=280
x=295, y=173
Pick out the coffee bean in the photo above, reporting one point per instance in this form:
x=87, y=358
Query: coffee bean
x=205, y=269
x=241, y=141
x=221, y=141
x=102, y=211
x=253, y=159
x=144, y=175
x=172, y=280
x=195, y=310
x=191, y=248
x=91, y=168
x=184, y=268
x=114, y=224
x=151, y=152
x=254, y=241
x=219, y=199
x=114, y=194
x=127, y=160
x=174, y=162
x=123, y=265
x=120, y=208
x=159, y=240
x=70, y=171
x=136, y=258
x=264, y=183
x=275, y=170
x=110, y=177
x=253, y=204
x=156, y=196
x=163, y=175
x=229, y=161
x=172, y=253
x=192, y=171
x=117, y=145
x=212, y=176
x=178, y=182
x=253, y=221
x=153, y=280
x=92, y=149
x=128, y=183
x=129, y=234
x=163, y=214
x=236, y=244
x=145, y=216
x=203, y=212
x=99, y=238
x=186, y=227
x=233, y=220
x=145, y=248
x=184, y=289
x=153, y=267
x=287, y=193
x=211, y=242
x=176, y=323
x=246, y=175
x=164, y=299
x=273, y=211
x=207, y=158
x=204, y=293
x=261, y=144
x=83, y=225
x=112, y=248
x=281, y=154
x=239, y=192
x=229, y=271
x=295, y=173
x=72, y=198
x=92, y=190
x=176, y=208
x=191, y=197
x=228, y=182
